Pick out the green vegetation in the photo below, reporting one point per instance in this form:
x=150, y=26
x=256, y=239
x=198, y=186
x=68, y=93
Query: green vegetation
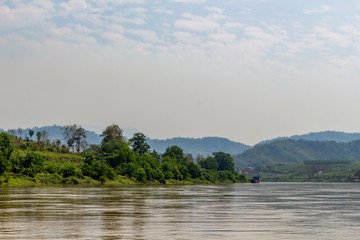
x=297, y=151
x=308, y=171
x=114, y=161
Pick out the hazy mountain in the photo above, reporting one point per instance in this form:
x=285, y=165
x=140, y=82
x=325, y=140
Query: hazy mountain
x=204, y=146
x=321, y=136
x=298, y=151
x=55, y=132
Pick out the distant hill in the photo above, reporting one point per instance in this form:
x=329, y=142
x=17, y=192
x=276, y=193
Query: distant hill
x=296, y=151
x=55, y=132
x=321, y=136
x=204, y=146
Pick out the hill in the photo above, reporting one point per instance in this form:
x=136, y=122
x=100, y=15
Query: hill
x=296, y=151
x=204, y=146
x=320, y=136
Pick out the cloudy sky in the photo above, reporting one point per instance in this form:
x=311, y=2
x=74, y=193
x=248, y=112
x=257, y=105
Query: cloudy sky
x=247, y=70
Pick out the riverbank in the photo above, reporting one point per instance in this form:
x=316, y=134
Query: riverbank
x=116, y=161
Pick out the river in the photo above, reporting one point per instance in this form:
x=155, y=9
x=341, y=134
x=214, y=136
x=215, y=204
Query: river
x=233, y=211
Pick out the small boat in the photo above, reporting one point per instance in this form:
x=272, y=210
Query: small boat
x=256, y=180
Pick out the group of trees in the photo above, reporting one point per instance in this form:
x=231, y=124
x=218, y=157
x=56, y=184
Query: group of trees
x=116, y=157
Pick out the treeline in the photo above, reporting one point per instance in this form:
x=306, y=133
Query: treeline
x=115, y=160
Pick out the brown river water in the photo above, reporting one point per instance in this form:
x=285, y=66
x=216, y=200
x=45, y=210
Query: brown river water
x=233, y=211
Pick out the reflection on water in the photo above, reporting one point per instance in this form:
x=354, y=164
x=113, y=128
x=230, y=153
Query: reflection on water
x=236, y=211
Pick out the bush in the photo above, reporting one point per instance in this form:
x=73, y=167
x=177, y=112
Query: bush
x=52, y=169
x=98, y=171
x=125, y=155
x=32, y=164
x=70, y=170
x=194, y=170
x=113, y=146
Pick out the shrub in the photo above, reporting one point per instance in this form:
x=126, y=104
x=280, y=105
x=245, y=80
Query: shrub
x=32, y=164
x=70, y=170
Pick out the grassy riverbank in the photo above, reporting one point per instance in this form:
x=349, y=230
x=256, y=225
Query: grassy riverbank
x=309, y=171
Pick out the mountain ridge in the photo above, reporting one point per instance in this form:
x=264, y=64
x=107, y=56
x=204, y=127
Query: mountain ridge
x=336, y=136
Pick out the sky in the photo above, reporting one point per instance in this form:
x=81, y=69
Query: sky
x=247, y=70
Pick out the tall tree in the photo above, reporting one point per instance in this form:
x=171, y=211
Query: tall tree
x=112, y=132
x=38, y=137
x=44, y=136
x=139, y=143
x=174, y=152
x=74, y=135
x=20, y=131
x=225, y=161
x=57, y=143
x=31, y=133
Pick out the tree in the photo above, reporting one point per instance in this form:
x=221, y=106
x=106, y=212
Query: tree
x=209, y=163
x=57, y=143
x=224, y=161
x=31, y=133
x=112, y=132
x=12, y=132
x=174, y=152
x=6, y=148
x=113, y=146
x=44, y=136
x=74, y=134
x=139, y=144
x=19, y=130
x=38, y=136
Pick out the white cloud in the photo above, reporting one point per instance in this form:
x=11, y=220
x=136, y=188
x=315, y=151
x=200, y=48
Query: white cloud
x=214, y=9
x=350, y=30
x=196, y=23
x=75, y=5
x=116, y=28
x=22, y=15
x=118, y=2
x=112, y=36
x=234, y=25
x=164, y=11
x=186, y=37
x=189, y=1
x=140, y=11
x=146, y=35
x=339, y=39
x=324, y=8
x=224, y=37
x=118, y=18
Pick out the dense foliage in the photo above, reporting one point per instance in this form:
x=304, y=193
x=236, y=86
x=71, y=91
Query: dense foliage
x=113, y=161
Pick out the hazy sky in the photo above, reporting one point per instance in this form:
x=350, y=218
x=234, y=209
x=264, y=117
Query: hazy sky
x=247, y=70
